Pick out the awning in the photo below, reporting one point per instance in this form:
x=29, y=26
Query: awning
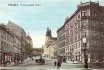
x=8, y=54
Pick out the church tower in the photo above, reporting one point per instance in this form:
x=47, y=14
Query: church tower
x=48, y=35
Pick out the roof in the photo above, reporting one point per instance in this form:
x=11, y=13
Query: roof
x=78, y=9
x=60, y=28
x=28, y=37
x=54, y=38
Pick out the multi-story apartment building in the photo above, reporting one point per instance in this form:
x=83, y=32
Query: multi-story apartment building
x=19, y=31
x=87, y=20
x=49, y=45
x=16, y=46
x=6, y=44
x=61, y=42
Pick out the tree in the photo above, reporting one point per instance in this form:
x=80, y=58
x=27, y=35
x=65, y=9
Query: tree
x=29, y=49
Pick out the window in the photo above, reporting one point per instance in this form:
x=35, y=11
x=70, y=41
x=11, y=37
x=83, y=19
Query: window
x=66, y=48
x=92, y=14
x=1, y=45
x=85, y=13
x=102, y=34
x=94, y=23
x=94, y=42
x=85, y=22
x=101, y=24
x=85, y=33
x=76, y=45
x=3, y=35
x=4, y=46
x=78, y=36
x=79, y=16
x=94, y=33
x=79, y=44
x=75, y=38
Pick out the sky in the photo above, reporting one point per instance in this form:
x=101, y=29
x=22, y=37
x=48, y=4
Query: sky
x=37, y=18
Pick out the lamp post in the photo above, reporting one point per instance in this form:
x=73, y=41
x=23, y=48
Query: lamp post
x=85, y=55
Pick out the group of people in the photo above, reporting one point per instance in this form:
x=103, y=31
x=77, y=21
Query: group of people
x=57, y=64
x=7, y=61
x=18, y=60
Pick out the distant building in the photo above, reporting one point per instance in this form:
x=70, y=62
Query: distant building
x=37, y=51
x=47, y=47
x=53, y=50
x=88, y=19
x=29, y=39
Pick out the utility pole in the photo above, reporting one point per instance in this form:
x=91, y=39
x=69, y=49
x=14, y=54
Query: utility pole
x=85, y=55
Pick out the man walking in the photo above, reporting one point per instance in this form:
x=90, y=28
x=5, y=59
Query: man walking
x=58, y=65
x=55, y=64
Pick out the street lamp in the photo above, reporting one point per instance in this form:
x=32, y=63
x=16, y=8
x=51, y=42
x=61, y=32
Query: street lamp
x=85, y=55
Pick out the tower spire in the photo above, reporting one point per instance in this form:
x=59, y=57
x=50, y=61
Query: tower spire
x=81, y=2
x=27, y=33
x=48, y=32
x=98, y=1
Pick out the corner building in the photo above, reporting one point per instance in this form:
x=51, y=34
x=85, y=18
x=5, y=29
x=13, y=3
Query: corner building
x=88, y=19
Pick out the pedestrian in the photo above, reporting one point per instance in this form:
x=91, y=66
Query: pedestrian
x=14, y=60
x=55, y=64
x=58, y=65
x=18, y=60
x=5, y=62
x=32, y=59
x=21, y=59
x=73, y=60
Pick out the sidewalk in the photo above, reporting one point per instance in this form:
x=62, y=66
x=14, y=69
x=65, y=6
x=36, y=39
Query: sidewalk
x=75, y=62
x=12, y=63
x=70, y=63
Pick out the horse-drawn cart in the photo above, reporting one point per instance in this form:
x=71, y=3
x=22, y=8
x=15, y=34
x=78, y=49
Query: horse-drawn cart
x=40, y=61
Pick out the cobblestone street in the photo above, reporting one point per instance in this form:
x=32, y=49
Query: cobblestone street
x=49, y=65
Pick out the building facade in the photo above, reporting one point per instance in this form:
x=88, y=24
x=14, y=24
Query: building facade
x=19, y=31
x=87, y=20
x=6, y=44
x=52, y=49
x=16, y=46
x=61, y=43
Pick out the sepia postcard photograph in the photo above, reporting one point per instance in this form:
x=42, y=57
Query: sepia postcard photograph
x=51, y=34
